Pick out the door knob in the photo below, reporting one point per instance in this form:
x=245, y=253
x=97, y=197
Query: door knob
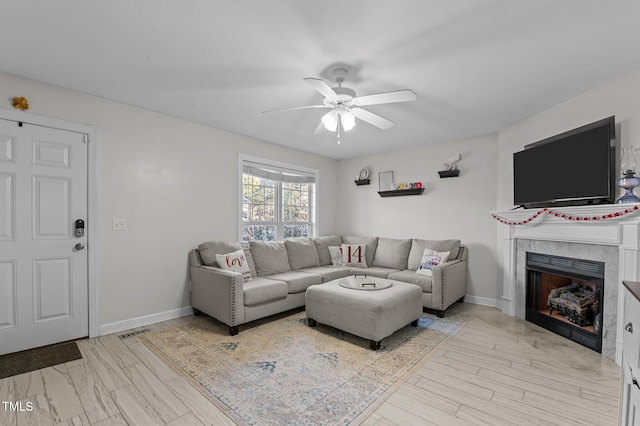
x=79, y=246
x=629, y=327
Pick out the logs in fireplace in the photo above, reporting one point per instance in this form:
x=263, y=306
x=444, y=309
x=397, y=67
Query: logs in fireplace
x=575, y=302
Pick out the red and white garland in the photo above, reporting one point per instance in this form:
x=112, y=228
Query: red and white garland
x=615, y=215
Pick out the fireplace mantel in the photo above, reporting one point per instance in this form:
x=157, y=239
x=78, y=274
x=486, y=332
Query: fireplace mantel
x=622, y=232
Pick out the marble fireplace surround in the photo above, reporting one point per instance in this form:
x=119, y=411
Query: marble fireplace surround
x=613, y=241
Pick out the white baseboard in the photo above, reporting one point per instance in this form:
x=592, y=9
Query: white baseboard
x=118, y=326
x=484, y=301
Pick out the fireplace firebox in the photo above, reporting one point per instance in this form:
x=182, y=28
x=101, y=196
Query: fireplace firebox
x=564, y=295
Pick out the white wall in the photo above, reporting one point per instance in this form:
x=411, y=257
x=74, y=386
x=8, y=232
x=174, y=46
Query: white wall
x=448, y=208
x=173, y=180
x=618, y=97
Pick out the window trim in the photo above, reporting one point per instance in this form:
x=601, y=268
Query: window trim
x=313, y=200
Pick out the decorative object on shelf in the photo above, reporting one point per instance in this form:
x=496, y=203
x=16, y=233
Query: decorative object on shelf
x=628, y=181
x=386, y=181
x=412, y=185
x=577, y=218
x=450, y=167
x=20, y=103
x=363, y=177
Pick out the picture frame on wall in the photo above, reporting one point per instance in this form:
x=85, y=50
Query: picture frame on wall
x=386, y=181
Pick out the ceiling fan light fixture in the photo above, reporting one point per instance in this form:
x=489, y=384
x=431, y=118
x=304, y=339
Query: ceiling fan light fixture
x=344, y=106
x=348, y=120
x=330, y=121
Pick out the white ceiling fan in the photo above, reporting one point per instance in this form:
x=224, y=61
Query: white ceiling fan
x=346, y=107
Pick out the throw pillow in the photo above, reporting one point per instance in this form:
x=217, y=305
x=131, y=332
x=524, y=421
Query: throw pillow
x=370, y=242
x=431, y=259
x=418, y=247
x=354, y=255
x=236, y=262
x=335, y=253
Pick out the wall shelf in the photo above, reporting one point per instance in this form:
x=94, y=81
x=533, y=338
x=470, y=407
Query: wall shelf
x=449, y=173
x=398, y=192
x=362, y=181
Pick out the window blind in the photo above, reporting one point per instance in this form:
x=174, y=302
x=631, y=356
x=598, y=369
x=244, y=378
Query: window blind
x=277, y=173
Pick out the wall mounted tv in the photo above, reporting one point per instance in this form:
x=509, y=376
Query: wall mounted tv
x=573, y=168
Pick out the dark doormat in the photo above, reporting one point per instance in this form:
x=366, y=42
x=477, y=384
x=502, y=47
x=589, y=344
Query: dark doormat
x=35, y=359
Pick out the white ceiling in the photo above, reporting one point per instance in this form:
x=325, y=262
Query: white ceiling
x=476, y=66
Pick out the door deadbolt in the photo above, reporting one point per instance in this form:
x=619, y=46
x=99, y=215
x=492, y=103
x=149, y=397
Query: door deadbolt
x=79, y=229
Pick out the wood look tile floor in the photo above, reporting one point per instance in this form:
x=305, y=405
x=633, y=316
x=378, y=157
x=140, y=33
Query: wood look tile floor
x=498, y=370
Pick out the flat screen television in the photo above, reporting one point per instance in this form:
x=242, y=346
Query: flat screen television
x=573, y=168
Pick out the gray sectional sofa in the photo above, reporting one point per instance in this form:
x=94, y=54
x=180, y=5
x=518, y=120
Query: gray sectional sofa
x=281, y=272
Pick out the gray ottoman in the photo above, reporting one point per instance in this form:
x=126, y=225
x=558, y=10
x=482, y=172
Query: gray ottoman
x=371, y=314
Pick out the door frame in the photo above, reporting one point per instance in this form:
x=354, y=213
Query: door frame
x=92, y=229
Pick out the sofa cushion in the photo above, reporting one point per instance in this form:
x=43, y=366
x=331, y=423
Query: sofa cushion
x=409, y=276
x=418, y=247
x=269, y=257
x=392, y=253
x=374, y=271
x=297, y=281
x=302, y=253
x=236, y=261
x=370, y=242
x=209, y=249
x=262, y=290
x=329, y=273
x=322, y=246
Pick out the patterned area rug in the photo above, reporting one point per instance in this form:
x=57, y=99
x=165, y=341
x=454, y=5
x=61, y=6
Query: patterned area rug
x=278, y=371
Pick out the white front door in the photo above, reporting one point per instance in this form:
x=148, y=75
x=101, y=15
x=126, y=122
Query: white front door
x=43, y=264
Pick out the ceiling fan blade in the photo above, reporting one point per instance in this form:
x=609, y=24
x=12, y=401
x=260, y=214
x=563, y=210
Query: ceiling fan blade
x=321, y=87
x=385, y=98
x=372, y=118
x=294, y=108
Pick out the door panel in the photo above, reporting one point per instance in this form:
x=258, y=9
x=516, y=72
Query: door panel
x=43, y=278
x=8, y=299
x=7, y=148
x=51, y=154
x=52, y=289
x=51, y=204
x=7, y=209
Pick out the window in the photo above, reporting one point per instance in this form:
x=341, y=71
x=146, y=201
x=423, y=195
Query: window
x=278, y=201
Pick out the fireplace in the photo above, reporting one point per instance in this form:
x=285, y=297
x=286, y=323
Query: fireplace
x=610, y=235
x=565, y=295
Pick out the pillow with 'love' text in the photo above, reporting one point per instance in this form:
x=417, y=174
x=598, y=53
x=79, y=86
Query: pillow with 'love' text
x=236, y=262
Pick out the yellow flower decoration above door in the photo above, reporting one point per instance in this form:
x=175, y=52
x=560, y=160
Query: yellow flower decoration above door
x=20, y=103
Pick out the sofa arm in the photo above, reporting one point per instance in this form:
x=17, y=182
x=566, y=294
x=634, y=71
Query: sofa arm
x=449, y=283
x=218, y=293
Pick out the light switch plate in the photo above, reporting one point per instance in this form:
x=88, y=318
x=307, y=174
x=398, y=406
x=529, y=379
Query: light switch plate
x=119, y=224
